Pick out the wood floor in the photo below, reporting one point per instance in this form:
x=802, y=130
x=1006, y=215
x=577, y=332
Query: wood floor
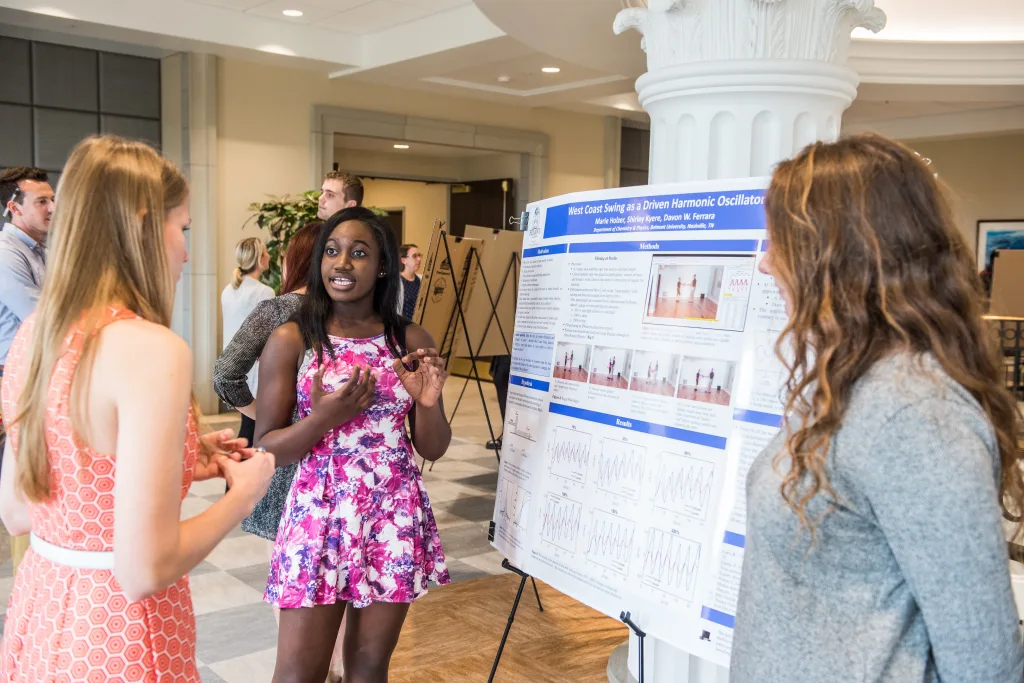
x=617, y=381
x=452, y=635
x=659, y=388
x=571, y=374
x=716, y=396
x=684, y=308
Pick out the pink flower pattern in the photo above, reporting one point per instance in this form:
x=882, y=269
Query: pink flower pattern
x=357, y=526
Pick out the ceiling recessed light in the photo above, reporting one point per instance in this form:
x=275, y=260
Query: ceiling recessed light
x=292, y=13
x=277, y=50
x=401, y=146
x=52, y=12
x=504, y=78
x=550, y=69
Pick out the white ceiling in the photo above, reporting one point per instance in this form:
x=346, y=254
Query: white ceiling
x=463, y=48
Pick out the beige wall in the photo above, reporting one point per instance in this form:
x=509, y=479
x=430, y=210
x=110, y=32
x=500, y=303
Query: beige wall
x=422, y=203
x=985, y=174
x=264, y=118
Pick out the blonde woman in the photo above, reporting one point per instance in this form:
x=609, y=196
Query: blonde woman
x=875, y=548
x=239, y=299
x=105, y=443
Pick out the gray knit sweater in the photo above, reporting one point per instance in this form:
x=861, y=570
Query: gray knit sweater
x=909, y=579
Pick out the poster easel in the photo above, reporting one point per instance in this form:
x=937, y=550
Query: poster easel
x=450, y=274
x=492, y=319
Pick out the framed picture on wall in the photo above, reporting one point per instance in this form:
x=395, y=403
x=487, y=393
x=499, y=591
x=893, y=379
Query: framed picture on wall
x=998, y=234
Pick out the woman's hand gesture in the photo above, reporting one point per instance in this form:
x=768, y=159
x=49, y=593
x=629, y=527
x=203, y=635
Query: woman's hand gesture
x=424, y=383
x=340, y=406
x=213, y=445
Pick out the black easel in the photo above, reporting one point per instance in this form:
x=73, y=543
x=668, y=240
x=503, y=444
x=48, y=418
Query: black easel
x=458, y=314
x=512, y=614
x=513, y=268
x=641, y=634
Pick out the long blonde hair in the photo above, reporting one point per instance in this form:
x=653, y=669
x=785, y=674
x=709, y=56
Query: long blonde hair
x=248, y=254
x=864, y=242
x=106, y=247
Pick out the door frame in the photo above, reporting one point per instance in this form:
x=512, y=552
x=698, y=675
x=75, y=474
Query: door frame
x=531, y=146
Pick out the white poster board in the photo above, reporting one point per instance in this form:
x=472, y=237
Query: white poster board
x=644, y=383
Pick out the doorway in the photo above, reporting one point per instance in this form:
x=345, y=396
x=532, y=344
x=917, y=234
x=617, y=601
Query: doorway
x=486, y=203
x=396, y=221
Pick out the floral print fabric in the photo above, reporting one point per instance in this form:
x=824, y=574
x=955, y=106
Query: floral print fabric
x=357, y=526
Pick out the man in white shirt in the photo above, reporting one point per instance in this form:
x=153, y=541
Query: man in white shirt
x=339, y=191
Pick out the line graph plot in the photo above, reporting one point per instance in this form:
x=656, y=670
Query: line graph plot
x=514, y=505
x=569, y=454
x=671, y=563
x=610, y=542
x=619, y=468
x=522, y=425
x=685, y=485
x=561, y=525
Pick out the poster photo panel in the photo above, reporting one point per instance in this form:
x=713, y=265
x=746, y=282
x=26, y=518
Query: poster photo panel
x=655, y=372
x=699, y=291
x=997, y=234
x=610, y=367
x=706, y=380
x=572, y=362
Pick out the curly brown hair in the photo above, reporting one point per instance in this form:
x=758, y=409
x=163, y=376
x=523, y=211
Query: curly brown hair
x=864, y=246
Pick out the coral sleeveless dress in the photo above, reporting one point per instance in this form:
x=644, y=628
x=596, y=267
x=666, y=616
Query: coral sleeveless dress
x=71, y=624
x=357, y=525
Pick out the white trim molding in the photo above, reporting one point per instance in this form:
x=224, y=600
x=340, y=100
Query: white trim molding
x=327, y=121
x=948, y=125
x=878, y=61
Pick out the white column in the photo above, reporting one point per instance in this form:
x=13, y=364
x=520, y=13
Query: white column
x=190, y=140
x=732, y=88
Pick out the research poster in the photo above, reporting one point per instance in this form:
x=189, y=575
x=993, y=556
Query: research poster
x=644, y=383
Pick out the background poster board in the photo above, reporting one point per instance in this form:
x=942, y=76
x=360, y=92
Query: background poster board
x=1002, y=234
x=1008, y=284
x=502, y=280
x=436, y=304
x=644, y=384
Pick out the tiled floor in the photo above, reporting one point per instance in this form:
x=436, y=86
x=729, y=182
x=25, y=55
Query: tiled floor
x=237, y=633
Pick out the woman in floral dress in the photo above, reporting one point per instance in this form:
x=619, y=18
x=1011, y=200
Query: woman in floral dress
x=335, y=388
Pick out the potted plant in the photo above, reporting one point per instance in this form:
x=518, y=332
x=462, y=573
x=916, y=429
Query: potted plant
x=282, y=217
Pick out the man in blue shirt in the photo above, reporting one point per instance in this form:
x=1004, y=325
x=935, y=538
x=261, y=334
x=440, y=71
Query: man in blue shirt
x=28, y=209
x=28, y=200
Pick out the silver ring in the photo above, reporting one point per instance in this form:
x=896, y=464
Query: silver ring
x=260, y=449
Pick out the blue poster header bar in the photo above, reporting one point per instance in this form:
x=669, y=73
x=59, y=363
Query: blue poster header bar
x=754, y=417
x=640, y=426
x=545, y=251
x=734, y=539
x=716, y=617
x=528, y=383
x=667, y=246
x=733, y=210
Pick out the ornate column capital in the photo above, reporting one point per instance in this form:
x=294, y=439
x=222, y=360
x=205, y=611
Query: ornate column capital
x=684, y=31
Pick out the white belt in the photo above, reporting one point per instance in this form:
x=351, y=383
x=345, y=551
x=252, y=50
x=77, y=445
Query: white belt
x=79, y=559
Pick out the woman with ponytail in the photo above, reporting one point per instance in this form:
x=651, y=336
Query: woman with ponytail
x=105, y=441
x=239, y=299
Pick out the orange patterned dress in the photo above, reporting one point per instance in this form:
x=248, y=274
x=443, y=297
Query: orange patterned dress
x=70, y=624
